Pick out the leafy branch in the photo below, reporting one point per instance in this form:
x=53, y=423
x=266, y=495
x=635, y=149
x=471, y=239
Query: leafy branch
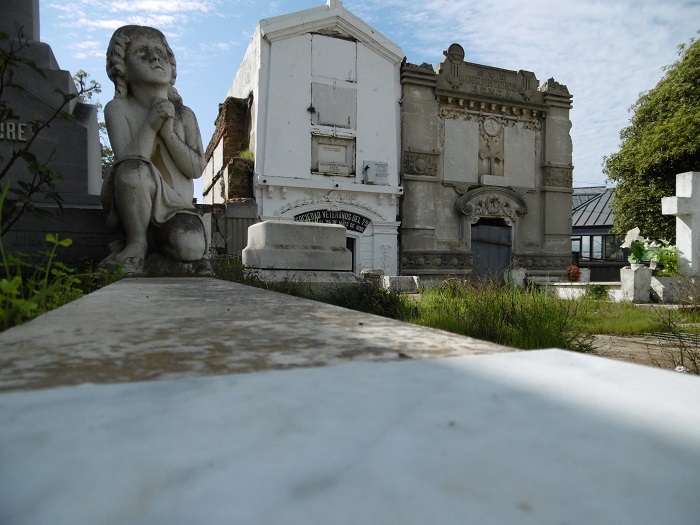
x=42, y=176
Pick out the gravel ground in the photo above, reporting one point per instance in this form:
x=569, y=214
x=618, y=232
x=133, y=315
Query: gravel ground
x=659, y=350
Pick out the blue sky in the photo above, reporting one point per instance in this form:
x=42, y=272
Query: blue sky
x=606, y=52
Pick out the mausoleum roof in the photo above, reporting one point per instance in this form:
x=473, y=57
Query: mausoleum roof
x=331, y=18
x=591, y=206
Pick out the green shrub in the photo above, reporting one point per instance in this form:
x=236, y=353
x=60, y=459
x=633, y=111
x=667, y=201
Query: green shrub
x=597, y=292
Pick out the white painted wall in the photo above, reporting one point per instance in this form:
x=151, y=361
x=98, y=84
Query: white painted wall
x=378, y=121
x=286, y=56
x=287, y=150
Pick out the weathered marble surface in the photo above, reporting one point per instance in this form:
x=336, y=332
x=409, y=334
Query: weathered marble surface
x=148, y=328
x=540, y=437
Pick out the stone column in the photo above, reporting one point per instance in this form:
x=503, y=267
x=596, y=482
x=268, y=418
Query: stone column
x=557, y=168
x=686, y=207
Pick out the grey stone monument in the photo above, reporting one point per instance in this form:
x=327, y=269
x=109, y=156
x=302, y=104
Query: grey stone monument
x=69, y=147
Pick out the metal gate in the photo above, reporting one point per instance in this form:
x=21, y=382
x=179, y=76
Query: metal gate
x=491, y=247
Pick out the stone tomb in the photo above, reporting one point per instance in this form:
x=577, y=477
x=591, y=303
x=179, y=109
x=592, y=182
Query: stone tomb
x=505, y=437
x=487, y=170
x=71, y=147
x=306, y=252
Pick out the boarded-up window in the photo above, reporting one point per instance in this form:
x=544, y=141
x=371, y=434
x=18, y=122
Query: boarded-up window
x=334, y=106
x=333, y=58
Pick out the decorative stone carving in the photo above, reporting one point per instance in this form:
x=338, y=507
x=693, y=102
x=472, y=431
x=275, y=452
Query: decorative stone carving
x=528, y=86
x=419, y=163
x=386, y=252
x=436, y=261
x=158, y=152
x=487, y=201
x=543, y=262
x=332, y=200
x=552, y=86
x=558, y=176
x=455, y=57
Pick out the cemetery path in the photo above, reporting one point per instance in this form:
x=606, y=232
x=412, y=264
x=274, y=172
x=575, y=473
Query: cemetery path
x=649, y=349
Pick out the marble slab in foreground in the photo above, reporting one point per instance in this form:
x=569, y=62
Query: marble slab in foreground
x=540, y=437
x=143, y=329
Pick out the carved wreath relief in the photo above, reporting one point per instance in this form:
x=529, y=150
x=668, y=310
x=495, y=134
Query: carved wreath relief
x=420, y=163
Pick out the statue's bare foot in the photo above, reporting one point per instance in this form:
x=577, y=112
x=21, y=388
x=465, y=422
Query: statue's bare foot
x=132, y=256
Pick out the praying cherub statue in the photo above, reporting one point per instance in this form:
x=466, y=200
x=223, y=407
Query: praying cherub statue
x=157, y=151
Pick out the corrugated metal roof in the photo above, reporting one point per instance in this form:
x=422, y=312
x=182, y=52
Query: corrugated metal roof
x=591, y=206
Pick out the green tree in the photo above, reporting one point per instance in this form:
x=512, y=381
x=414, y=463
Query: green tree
x=88, y=88
x=662, y=140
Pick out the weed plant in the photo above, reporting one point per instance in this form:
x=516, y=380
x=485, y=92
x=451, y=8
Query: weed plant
x=685, y=339
x=683, y=326
x=518, y=317
x=233, y=269
x=372, y=299
x=29, y=289
x=597, y=292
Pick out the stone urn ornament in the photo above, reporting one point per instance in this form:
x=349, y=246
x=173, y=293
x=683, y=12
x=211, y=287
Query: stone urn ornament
x=148, y=192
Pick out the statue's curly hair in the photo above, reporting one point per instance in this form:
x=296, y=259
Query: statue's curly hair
x=116, y=59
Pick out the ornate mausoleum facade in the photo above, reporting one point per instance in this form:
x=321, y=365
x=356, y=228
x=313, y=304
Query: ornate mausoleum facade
x=486, y=170
x=465, y=171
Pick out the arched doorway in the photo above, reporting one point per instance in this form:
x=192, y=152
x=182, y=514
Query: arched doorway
x=493, y=213
x=491, y=247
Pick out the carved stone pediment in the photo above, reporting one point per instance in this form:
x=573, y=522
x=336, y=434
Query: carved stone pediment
x=455, y=76
x=492, y=202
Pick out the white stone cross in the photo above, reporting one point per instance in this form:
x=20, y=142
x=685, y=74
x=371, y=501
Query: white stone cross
x=686, y=207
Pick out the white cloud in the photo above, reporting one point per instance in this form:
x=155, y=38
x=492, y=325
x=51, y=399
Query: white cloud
x=215, y=47
x=606, y=52
x=164, y=6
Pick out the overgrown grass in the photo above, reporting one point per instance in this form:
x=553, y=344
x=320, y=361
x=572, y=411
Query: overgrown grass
x=518, y=317
x=525, y=318
x=601, y=317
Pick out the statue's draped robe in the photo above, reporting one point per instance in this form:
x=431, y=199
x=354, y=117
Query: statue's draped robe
x=173, y=192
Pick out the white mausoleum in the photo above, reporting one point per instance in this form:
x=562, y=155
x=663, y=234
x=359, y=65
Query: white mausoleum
x=316, y=101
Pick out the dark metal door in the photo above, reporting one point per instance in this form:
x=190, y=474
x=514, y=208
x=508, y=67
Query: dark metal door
x=490, y=249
